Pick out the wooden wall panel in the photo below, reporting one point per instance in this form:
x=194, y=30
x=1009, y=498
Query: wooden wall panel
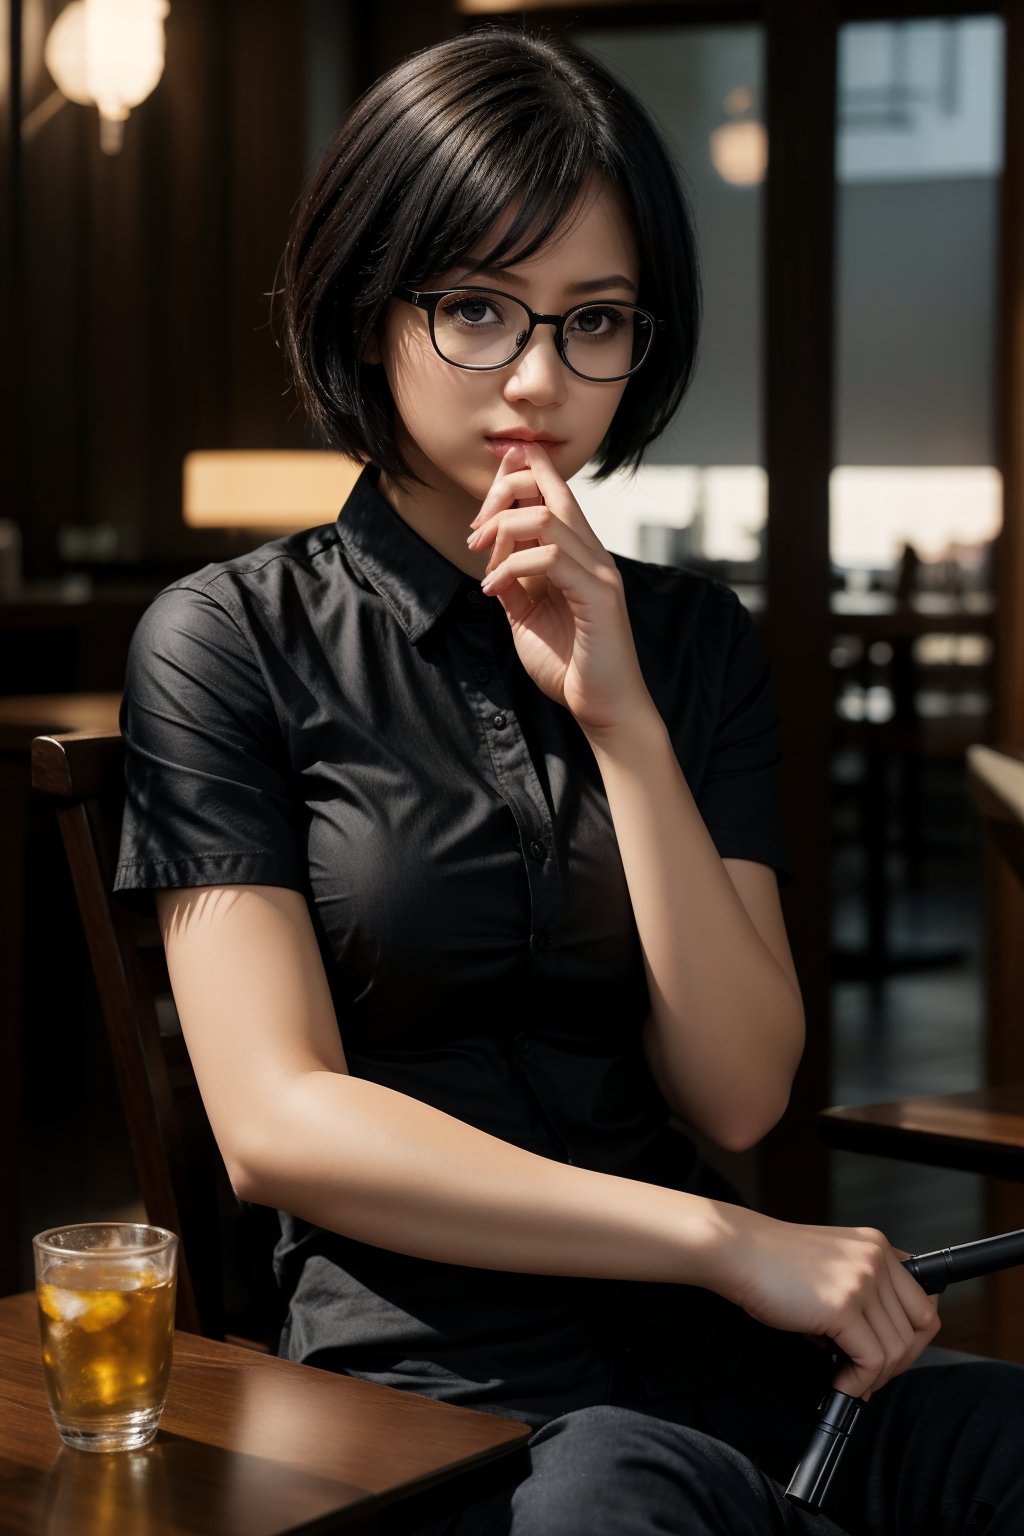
x=10, y=203
x=800, y=49
x=147, y=275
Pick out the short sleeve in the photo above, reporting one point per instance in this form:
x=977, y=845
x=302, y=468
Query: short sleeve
x=206, y=779
x=738, y=793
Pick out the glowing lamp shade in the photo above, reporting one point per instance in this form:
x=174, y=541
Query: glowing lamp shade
x=108, y=52
x=739, y=152
x=265, y=489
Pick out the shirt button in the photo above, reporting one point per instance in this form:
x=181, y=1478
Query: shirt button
x=474, y=595
x=482, y=674
x=521, y=1042
x=499, y=722
x=537, y=849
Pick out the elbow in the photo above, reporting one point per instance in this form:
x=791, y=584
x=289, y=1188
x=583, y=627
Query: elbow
x=244, y=1183
x=745, y=1132
x=736, y=1139
x=742, y=1135
x=246, y=1168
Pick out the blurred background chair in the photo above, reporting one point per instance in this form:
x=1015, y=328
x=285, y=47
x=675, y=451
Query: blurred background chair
x=913, y=686
x=225, y=1285
x=980, y=1131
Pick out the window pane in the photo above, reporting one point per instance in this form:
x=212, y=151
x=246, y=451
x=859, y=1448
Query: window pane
x=915, y=505
x=701, y=496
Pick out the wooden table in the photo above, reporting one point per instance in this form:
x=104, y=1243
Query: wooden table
x=981, y=1131
x=248, y=1446
x=21, y=718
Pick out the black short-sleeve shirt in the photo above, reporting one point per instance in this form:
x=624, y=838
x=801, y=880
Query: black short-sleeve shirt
x=343, y=712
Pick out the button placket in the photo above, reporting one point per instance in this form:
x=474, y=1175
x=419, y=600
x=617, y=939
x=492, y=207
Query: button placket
x=516, y=779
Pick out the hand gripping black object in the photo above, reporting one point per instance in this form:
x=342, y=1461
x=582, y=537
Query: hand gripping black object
x=839, y=1412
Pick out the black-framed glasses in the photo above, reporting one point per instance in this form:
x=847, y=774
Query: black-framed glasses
x=482, y=328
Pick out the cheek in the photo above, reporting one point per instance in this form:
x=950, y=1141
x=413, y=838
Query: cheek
x=601, y=411
x=434, y=407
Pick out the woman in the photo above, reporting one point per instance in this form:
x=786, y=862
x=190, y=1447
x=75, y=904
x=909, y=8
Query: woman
x=469, y=888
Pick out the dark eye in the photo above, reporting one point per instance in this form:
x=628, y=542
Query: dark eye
x=471, y=310
x=597, y=321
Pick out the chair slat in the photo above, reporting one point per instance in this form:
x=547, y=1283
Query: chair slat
x=181, y=1176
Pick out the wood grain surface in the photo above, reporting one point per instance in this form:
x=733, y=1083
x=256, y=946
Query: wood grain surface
x=981, y=1131
x=249, y=1445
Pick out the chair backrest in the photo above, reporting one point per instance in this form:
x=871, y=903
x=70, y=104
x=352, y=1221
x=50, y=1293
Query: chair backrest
x=996, y=777
x=225, y=1283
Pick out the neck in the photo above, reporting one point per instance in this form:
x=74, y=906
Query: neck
x=440, y=511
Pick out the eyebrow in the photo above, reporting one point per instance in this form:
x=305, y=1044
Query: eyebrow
x=591, y=285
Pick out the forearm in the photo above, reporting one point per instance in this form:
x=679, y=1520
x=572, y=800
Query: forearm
x=727, y=1019
x=374, y=1164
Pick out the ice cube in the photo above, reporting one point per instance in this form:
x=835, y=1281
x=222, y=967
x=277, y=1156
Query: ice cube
x=102, y=1309
x=61, y=1305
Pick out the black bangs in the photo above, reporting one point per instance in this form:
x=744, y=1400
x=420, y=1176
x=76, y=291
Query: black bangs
x=476, y=152
x=537, y=208
x=499, y=147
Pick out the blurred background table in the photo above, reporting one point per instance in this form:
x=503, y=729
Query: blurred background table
x=248, y=1445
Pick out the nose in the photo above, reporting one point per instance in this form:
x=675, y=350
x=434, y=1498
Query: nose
x=538, y=373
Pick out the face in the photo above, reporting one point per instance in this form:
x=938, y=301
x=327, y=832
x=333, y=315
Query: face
x=448, y=417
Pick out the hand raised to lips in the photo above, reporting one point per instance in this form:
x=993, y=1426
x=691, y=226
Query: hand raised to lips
x=561, y=591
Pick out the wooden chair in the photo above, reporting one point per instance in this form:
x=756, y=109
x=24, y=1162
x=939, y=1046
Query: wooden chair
x=225, y=1284
x=981, y=1131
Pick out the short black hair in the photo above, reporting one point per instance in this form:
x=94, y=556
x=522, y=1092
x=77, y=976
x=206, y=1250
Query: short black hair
x=422, y=165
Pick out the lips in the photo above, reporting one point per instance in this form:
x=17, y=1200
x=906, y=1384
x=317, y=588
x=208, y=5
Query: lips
x=520, y=435
x=499, y=446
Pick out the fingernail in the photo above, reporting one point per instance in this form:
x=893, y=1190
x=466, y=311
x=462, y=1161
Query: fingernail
x=515, y=457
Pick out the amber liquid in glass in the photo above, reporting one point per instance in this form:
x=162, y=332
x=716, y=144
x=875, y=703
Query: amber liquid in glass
x=106, y=1339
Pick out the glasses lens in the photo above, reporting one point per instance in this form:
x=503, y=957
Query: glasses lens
x=604, y=341
x=479, y=329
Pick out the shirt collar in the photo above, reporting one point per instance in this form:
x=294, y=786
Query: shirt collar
x=415, y=580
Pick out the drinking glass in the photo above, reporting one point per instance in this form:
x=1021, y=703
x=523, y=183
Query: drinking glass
x=105, y=1292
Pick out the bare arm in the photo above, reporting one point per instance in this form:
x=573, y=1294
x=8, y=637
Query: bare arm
x=297, y=1132
x=726, y=1029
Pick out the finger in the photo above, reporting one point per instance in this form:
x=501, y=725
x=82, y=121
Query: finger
x=526, y=527
x=513, y=461
x=508, y=489
x=583, y=589
x=865, y=1358
x=895, y=1338
x=557, y=494
x=906, y=1326
x=912, y=1297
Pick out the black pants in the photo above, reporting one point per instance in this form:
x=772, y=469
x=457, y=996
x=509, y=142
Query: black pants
x=938, y=1451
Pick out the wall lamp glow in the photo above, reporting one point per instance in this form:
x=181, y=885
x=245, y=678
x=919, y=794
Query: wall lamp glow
x=739, y=146
x=103, y=53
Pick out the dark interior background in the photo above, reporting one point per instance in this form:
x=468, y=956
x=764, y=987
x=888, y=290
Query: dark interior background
x=135, y=326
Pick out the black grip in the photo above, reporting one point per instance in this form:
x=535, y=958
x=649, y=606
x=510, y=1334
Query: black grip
x=837, y=1416
x=838, y=1412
